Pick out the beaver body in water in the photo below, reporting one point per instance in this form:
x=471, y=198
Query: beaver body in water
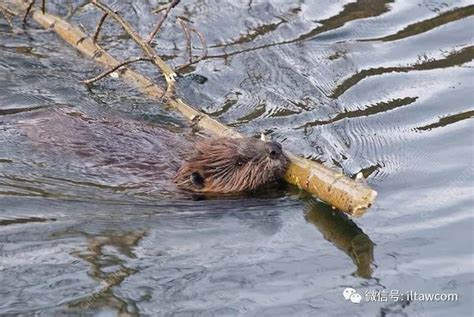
x=143, y=153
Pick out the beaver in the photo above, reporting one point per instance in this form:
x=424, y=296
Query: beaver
x=227, y=165
x=118, y=150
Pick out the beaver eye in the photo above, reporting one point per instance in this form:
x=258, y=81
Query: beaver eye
x=240, y=162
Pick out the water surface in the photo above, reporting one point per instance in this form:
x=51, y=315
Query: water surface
x=379, y=87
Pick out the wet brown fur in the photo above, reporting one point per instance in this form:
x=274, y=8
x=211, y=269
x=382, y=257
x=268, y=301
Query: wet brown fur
x=225, y=165
x=118, y=150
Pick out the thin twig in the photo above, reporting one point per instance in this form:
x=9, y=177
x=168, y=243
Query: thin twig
x=28, y=9
x=113, y=69
x=203, y=55
x=161, y=8
x=203, y=45
x=10, y=12
x=187, y=36
x=163, y=18
x=99, y=25
x=6, y=13
x=70, y=10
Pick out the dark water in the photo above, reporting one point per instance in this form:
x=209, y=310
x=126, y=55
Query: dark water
x=382, y=87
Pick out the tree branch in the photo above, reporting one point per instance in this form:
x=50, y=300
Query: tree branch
x=203, y=55
x=28, y=9
x=163, y=18
x=330, y=186
x=187, y=37
x=113, y=69
x=203, y=45
x=149, y=52
x=99, y=26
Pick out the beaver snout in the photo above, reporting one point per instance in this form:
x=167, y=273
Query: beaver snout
x=274, y=149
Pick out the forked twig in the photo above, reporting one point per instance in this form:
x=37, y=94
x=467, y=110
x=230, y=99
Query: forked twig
x=99, y=26
x=203, y=55
x=163, y=18
x=30, y=6
x=113, y=69
x=147, y=49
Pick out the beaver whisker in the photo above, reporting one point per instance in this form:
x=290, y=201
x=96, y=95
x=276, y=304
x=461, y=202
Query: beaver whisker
x=222, y=174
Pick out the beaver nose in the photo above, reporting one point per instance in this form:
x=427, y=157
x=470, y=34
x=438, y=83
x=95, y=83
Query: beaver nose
x=274, y=149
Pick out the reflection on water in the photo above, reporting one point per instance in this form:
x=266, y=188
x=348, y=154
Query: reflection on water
x=344, y=234
x=379, y=87
x=108, y=270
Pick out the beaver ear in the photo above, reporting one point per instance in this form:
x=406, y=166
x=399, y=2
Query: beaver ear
x=197, y=179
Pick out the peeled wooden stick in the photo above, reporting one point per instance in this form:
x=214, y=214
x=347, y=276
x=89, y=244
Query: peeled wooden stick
x=337, y=189
x=330, y=186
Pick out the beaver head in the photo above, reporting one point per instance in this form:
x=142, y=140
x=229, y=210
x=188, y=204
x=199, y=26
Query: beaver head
x=226, y=165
